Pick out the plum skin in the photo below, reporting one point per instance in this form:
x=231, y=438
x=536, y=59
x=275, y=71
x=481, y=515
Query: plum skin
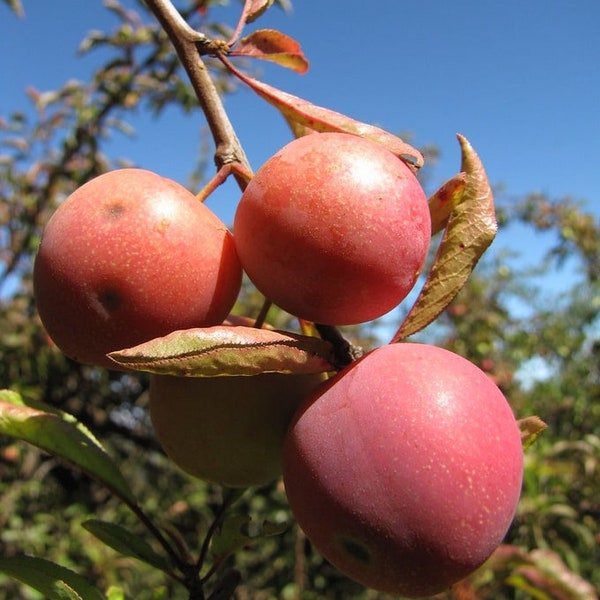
x=333, y=228
x=405, y=469
x=228, y=430
x=127, y=257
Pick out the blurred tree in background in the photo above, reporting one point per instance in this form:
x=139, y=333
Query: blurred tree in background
x=542, y=349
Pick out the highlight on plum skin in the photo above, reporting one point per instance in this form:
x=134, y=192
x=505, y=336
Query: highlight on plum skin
x=334, y=229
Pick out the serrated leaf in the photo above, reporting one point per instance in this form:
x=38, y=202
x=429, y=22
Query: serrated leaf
x=310, y=118
x=445, y=200
x=530, y=428
x=470, y=230
x=53, y=581
x=60, y=434
x=126, y=543
x=274, y=46
x=228, y=350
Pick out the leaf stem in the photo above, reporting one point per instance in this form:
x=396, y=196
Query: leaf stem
x=241, y=23
x=236, y=169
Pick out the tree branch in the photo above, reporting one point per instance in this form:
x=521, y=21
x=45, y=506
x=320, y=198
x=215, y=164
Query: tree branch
x=185, y=40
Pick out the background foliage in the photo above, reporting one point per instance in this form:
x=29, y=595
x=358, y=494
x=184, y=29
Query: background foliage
x=542, y=349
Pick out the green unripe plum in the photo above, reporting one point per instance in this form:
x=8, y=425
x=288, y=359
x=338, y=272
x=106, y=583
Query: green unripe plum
x=227, y=430
x=405, y=469
x=333, y=228
x=131, y=256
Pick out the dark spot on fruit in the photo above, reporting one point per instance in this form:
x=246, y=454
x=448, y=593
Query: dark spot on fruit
x=114, y=210
x=356, y=550
x=109, y=299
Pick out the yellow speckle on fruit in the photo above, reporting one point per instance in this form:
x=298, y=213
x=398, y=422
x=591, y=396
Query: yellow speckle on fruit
x=162, y=226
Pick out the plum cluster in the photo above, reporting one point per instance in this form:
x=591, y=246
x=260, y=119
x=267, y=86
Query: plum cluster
x=404, y=468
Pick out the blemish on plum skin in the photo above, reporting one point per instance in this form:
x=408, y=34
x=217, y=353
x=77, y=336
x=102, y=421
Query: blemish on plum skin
x=109, y=299
x=114, y=210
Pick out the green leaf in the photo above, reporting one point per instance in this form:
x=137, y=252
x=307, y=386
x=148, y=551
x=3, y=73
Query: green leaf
x=530, y=428
x=115, y=593
x=274, y=46
x=125, y=542
x=238, y=530
x=51, y=580
x=60, y=434
x=470, y=230
x=305, y=117
x=228, y=350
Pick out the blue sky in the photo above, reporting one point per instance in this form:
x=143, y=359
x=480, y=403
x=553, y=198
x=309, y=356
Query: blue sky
x=520, y=79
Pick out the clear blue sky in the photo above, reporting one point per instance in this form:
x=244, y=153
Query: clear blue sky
x=521, y=79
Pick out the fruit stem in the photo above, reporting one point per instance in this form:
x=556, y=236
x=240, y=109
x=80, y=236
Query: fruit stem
x=344, y=352
x=187, y=42
x=236, y=169
x=262, y=315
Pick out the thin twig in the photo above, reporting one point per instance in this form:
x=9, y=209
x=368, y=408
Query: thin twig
x=174, y=557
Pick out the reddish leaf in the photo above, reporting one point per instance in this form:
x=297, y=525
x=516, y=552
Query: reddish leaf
x=309, y=118
x=255, y=8
x=251, y=11
x=445, y=200
x=272, y=45
x=228, y=350
x=470, y=230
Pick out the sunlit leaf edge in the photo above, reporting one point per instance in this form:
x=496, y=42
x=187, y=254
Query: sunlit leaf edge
x=60, y=434
x=50, y=579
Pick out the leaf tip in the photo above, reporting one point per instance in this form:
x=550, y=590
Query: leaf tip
x=530, y=428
